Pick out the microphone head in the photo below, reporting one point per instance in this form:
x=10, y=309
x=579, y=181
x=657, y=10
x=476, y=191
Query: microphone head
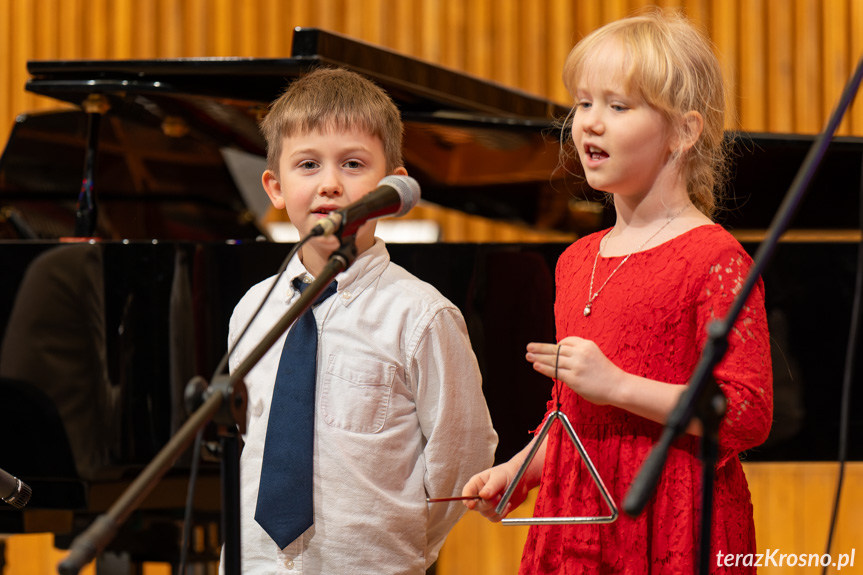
x=20, y=496
x=408, y=190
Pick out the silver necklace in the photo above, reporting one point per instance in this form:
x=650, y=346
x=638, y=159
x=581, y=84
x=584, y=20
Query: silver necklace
x=590, y=293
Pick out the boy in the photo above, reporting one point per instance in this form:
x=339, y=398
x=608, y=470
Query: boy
x=399, y=410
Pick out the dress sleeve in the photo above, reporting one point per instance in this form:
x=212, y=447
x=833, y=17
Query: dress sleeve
x=453, y=416
x=745, y=373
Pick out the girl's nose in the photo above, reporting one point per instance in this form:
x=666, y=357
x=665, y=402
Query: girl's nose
x=591, y=120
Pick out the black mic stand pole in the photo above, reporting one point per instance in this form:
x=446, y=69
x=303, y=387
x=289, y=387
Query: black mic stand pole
x=224, y=401
x=93, y=540
x=702, y=397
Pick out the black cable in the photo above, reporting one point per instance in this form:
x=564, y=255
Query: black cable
x=220, y=368
x=224, y=361
x=845, y=405
x=190, y=496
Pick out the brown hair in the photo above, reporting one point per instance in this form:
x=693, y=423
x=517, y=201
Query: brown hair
x=672, y=66
x=333, y=99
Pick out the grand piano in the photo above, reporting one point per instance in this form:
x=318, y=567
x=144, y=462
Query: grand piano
x=160, y=160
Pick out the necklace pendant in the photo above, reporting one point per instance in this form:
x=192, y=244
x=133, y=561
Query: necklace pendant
x=587, y=309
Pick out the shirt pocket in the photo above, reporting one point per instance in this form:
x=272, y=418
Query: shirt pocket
x=356, y=393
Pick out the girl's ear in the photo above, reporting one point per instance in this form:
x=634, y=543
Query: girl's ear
x=274, y=189
x=692, y=124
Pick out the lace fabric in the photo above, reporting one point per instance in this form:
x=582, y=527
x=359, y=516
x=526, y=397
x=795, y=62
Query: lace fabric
x=651, y=320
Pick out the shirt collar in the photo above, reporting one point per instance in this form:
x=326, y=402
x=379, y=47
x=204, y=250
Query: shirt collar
x=367, y=268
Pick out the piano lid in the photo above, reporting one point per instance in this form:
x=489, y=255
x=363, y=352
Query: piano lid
x=472, y=144
x=416, y=85
x=175, y=129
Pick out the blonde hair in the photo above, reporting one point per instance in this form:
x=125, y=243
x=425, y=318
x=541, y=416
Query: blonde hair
x=673, y=68
x=333, y=99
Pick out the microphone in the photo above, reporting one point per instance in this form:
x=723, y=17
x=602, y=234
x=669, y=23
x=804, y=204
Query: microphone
x=394, y=196
x=14, y=491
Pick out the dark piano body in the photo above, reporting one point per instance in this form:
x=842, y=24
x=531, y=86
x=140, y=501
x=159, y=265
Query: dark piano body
x=100, y=338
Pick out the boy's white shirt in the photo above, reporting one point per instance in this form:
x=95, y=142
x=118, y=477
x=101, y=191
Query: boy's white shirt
x=400, y=416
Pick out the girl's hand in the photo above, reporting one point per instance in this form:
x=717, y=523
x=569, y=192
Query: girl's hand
x=581, y=365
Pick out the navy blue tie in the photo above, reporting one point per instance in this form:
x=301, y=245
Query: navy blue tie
x=284, y=507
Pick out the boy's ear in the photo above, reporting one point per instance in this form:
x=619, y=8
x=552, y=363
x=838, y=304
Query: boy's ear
x=692, y=126
x=400, y=171
x=274, y=189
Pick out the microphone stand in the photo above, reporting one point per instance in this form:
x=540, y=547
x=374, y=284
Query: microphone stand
x=703, y=398
x=223, y=401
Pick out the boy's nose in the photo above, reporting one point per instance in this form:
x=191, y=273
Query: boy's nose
x=330, y=190
x=330, y=185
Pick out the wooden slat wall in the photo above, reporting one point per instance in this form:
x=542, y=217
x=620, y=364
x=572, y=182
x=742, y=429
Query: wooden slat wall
x=787, y=60
x=793, y=502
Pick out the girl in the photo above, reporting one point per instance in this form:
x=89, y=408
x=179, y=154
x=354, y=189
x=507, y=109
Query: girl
x=632, y=307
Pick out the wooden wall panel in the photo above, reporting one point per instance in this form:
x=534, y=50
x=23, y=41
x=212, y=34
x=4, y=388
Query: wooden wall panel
x=723, y=30
x=429, y=17
x=856, y=20
x=786, y=60
x=807, y=58
x=836, y=59
x=506, y=49
x=780, y=61
x=480, y=50
x=34, y=554
x=793, y=503
x=752, y=67
x=792, y=512
x=7, y=64
x=533, y=33
x=561, y=39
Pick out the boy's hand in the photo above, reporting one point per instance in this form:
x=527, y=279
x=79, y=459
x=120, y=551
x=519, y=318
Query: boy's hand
x=490, y=485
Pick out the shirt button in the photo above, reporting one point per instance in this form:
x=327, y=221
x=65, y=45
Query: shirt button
x=346, y=295
x=289, y=563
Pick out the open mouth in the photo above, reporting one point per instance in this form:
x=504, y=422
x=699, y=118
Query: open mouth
x=595, y=153
x=324, y=210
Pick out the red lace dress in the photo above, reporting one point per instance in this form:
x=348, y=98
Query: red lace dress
x=650, y=320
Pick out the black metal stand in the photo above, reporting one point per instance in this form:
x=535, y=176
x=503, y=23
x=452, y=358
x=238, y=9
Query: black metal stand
x=224, y=401
x=86, y=210
x=93, y=540
x=699, y=391
x=230, y=468
x=710, y=410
